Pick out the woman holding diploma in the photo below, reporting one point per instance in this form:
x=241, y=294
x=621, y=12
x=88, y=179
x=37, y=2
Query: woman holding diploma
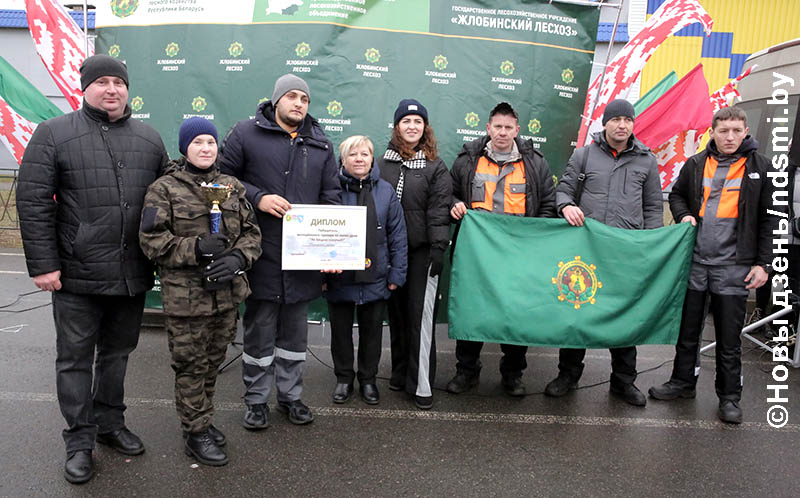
x=365, y=292
x=200, y=230
x=421, y=180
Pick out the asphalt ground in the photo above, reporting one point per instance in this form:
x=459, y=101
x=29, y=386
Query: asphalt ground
x=481, y=443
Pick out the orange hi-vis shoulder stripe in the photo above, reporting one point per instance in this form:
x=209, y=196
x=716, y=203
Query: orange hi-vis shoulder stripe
x=729, y=198
x=512, y=183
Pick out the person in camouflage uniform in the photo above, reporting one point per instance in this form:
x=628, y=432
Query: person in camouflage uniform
x=202, y=277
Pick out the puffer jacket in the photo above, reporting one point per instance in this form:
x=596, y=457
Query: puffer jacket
x=175, y=214
x=392, y=247
x=622, y=191
x=755, y=225
x=302, y=170
x=98, y=172
x=426, y=201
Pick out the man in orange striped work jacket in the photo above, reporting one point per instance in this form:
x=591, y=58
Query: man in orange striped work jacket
x=501, y=174
x=725, y=192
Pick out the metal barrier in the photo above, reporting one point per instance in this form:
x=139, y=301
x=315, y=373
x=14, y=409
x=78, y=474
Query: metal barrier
x=8, y=205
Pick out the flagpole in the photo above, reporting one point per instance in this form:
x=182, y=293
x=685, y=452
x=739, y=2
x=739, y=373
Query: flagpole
x=86, y=29
x=605, y=65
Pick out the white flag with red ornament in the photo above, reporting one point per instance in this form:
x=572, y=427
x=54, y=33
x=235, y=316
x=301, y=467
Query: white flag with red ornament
x=15, y=131
x=60, y=44
x=623, y=71
x=673, y=154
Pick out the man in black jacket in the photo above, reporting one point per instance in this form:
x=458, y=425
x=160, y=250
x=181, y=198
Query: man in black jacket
x=281, y=156
x=724, y=191
x=499, y=174
x=81, y=187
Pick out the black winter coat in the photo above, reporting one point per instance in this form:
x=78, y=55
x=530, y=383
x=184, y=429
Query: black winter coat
x=755, y=225
x=539, y=188
x=98, y=172
x=391, y=262
x=302, y=170
x=426, y=201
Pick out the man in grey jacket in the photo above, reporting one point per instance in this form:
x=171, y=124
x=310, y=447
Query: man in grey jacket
x=615, y=181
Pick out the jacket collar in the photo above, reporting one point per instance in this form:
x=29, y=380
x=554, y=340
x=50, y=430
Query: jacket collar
x=634, y=145
x=265, y=118
x=100, y=115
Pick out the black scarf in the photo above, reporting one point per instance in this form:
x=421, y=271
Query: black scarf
x=364, y=190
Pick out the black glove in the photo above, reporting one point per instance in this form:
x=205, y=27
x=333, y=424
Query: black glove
x=436, y=261
x=210, y=246
x=225, y=268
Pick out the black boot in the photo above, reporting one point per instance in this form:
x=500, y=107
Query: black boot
x=200, y=446
x=79, y=467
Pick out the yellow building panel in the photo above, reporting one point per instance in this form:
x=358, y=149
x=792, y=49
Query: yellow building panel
x=680, y=56
x=715, y=71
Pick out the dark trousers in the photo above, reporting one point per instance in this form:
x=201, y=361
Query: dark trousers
x=93, y=331
x=623, y=364
x=728, y=313
x=512, y=363
x=412, y=322
x=198, y=345
x=370, y=332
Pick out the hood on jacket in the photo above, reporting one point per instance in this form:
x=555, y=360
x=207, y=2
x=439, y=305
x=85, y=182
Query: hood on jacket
x=310, y=127
x=347, y=179
x=749, y=144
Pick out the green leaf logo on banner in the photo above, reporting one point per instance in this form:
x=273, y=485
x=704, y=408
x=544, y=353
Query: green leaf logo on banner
x=334, y=108
x=114, y=50
x=236, y=49
x=567, y=76
x=507, y=68
x=576, y=282
x=440, y=62
x=137, y=103
x=302, y=49
x=124, y=8
x=472, y=119
x=172, y=49
x=372, y=55
x=534, y=126
x=199, y=104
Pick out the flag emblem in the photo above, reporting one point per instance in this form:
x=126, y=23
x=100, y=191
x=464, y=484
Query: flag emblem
x=576, y=282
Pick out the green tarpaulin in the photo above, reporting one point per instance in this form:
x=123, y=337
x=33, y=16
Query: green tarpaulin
x=542, y=282
x=654, y=93
x=23, y=97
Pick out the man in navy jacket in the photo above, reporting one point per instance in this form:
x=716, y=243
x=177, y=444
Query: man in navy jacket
x=282, y=157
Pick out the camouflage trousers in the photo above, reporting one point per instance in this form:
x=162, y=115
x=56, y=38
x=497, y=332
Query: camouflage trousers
x=198, y=346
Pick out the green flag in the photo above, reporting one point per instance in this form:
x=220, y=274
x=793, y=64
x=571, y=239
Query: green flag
x=23, y=97
x=654, y=93
x=542, y=282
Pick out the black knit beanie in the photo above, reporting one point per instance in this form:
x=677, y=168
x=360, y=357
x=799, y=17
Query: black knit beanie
x=101, y=65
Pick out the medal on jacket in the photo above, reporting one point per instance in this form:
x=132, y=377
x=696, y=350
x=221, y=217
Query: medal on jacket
x=215, y=194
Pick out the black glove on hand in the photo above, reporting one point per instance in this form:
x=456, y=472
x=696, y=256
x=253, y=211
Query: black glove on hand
x=210, y=246
x=436, y=261
x=224, y=268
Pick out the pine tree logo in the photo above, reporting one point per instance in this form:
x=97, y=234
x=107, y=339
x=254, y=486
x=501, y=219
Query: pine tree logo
x=534, y=126
x=137, y=103
x=114, y=51
x=199, y=104
x=567, y=76
x=302, y=49
x=507, y=68
x=124, y=8
x=172, y=49
x=334, y=108
x=472, y=119
x=440, y=62
x=372, y=55
x=236, y=49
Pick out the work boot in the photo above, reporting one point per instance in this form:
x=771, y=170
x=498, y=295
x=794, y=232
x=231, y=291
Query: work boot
x=216, y=435
x=629, y=394
x=79, y=467
x=669, y=391
x=729, y=411
x=462, y=382
x=514, y=387
x=200, y=446
x=297, y=412
x=560, y=386
x=256, y=417
x=123, y=441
